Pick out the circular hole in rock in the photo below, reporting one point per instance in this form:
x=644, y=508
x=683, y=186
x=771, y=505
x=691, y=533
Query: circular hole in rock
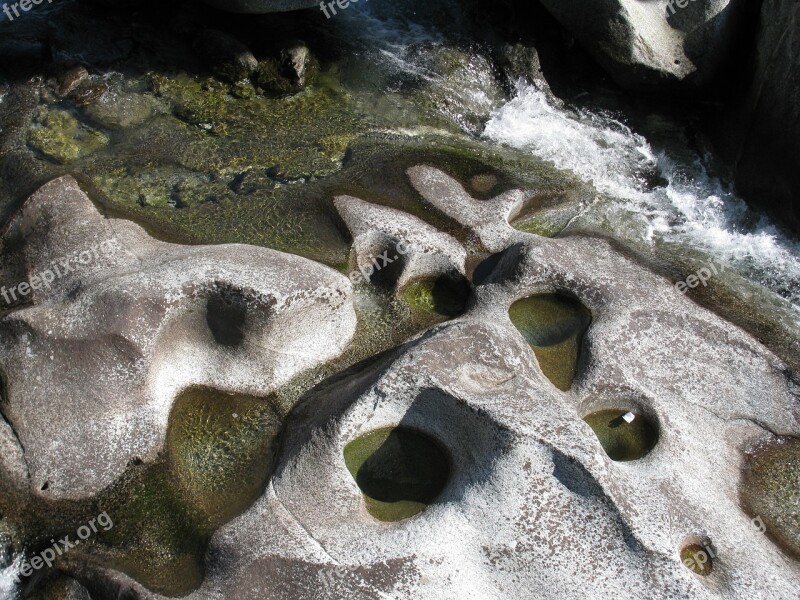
x=698, y=557
x=400, y=471
x=554, y=326
x=625, y=435
x=445, y=296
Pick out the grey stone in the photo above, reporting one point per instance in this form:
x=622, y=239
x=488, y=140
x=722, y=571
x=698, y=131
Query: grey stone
x=93, y=360
x=534, y=508
x=418, y=249
x=657, y=43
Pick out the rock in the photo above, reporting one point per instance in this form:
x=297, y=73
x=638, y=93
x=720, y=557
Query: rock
x=262, y=6
x=396, y=248
x=523, y=62
x=466, y=90
x=120, y=110
x=87, y=94
x=765, y=149
x=13, y=470
x=298, y=64
x=68, y=81
x=659, y=44
x=142, y=320
x=226, y=56
x=532, y=506
x=290, y=73
x=58, y=587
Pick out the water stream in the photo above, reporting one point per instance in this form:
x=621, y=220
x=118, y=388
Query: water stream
x=655, y=186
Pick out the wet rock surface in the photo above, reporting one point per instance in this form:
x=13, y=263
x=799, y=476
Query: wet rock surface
x=515, y=443
x=215, y=312
x=328, y=342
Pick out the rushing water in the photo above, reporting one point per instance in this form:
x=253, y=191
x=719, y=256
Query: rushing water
x=655, y=186
x=8, y=579
x=688, y=206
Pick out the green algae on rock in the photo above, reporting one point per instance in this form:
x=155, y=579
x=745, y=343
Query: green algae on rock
x=242, y=132
x=697, y=558
x=61, y=138
x=770, y=489
x=399, y=470
x=554, y=326
x=440, y=299
x=219, y=450
x=623, y=434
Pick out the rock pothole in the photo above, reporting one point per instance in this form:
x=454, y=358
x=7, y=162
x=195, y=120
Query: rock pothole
x=697, y=554
x=624, y=435
x=442, y=297
x=399, y=470
x=554, y=326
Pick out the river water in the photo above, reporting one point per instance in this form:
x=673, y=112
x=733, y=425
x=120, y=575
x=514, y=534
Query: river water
x=656, y=187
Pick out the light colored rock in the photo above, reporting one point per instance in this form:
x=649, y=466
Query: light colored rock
x=13, y=470
x=418, y=249
x=657, y=43
x=534, y=508
x=93, y=364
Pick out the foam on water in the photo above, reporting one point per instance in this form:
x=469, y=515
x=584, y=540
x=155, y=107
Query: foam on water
x=689, y=206
x=9, y=586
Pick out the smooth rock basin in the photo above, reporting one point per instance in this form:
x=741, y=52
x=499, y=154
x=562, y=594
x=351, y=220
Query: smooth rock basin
x=624, y=435
x=399, y=470
x=697, y=557
x=554, y=326
x=219, y=450
x=444, y=296
x=770, y=489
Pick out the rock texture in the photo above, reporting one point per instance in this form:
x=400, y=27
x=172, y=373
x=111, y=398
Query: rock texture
x=93, y=360
x=534, y=508
x=658, y=43
x=767, y=146
x=424, y=251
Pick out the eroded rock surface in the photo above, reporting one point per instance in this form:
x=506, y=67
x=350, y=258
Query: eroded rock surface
x=533, y=506
x=116, y=324
x=423, y=252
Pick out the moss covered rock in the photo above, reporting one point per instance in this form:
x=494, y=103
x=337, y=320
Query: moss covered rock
x=61, y=138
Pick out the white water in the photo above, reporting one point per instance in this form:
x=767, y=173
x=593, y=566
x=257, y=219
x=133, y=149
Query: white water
x=690, y=207
x=9, y=589
x=693, y=208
